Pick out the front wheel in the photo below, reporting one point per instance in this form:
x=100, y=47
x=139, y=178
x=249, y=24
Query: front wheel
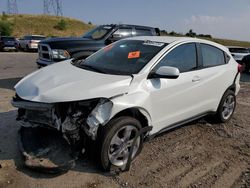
x=226, y=107
x=116, y=142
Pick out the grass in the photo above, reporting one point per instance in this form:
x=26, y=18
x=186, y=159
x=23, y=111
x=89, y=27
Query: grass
x=24, y=24
x=46, y=25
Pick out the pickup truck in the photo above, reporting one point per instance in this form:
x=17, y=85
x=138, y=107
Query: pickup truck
x=54, y=50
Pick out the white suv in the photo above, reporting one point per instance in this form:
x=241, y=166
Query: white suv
x=130, y=91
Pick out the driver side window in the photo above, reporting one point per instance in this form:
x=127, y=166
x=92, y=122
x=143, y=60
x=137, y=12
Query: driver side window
x=183, y=57
x=123, y=32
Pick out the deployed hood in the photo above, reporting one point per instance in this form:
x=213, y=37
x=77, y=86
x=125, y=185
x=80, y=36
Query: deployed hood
x=63, y=82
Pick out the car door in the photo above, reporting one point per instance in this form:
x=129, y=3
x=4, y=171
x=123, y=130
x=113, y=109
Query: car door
x=176, y=100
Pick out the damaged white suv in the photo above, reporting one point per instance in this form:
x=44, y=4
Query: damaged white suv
x=128, y=92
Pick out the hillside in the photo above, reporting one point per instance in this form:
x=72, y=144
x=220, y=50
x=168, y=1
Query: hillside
x=46, y=25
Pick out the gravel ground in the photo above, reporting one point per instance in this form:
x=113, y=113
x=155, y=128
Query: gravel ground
x=200, y=154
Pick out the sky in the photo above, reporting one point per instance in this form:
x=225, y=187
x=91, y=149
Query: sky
x=228, y=19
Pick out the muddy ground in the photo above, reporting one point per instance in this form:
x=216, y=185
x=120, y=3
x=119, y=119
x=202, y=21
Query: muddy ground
x=200, y=154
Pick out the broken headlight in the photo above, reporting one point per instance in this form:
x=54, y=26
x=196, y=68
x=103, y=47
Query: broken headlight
x=99, y=116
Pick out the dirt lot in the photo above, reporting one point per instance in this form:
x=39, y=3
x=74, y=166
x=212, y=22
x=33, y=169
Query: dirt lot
x=199, y=154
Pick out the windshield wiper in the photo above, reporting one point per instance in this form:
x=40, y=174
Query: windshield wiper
x=89, y=67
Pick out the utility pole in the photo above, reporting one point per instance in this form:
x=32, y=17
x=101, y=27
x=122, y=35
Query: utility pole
x=54, y=5
x=12, y=7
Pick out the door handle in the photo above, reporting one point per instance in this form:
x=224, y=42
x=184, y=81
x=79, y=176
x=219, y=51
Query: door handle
x=196, y=79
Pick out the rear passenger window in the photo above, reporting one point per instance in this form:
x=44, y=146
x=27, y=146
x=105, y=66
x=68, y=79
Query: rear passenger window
x=182, y=57
x=212, y=56
x=143, y=32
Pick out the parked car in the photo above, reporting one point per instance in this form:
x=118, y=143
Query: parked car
x=128, y=92
x=246, y=64
x=59, y=49
x=8, y=43
x=30, y=42
x=239, y=52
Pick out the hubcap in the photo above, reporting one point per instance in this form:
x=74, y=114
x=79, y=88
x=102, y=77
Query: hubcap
x=121, y=145
x=228, y=107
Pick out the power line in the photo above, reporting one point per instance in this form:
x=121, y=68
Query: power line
x=12, y=7
x=52, y=7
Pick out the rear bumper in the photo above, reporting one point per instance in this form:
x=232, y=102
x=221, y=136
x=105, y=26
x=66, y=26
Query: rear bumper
x=9, y=48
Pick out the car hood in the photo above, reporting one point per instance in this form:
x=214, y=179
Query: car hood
x=63, y=82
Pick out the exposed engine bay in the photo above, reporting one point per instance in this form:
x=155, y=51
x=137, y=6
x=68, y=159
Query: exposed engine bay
x=77, y=121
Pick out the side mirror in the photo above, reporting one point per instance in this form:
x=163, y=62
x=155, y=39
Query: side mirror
x=165, y=72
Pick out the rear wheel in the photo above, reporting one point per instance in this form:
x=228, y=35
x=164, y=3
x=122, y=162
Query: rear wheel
x=226, y=107
x=27, y=48
x=116, y=142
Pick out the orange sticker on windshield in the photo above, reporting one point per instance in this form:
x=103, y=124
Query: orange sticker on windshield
x=135, y=54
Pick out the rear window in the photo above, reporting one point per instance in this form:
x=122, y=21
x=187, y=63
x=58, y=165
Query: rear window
x=143, y=32
x=212, y=56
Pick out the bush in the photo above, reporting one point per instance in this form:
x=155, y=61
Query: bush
x=6, y=28
x=61, y=25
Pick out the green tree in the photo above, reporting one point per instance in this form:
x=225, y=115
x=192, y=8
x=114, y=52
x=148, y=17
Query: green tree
x=5, y=28
x=191, y=33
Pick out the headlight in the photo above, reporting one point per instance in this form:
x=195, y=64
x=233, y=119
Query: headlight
x=99, y=116
x=60, y=54
x=101, y=113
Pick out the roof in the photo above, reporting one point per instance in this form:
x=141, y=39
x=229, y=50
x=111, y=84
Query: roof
x=169, y=39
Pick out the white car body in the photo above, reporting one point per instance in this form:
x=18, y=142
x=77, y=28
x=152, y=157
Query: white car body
x=164, y=102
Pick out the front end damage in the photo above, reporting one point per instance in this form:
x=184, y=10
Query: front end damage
x=77, y=122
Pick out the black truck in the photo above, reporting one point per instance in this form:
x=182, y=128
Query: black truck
x=58, y=49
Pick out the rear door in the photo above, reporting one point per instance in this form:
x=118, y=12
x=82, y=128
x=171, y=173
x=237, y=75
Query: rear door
x=176, y=100
x=215, y=75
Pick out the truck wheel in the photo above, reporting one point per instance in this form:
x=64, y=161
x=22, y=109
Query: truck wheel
x=226, y=107
x=116, y=140
x=27, y=48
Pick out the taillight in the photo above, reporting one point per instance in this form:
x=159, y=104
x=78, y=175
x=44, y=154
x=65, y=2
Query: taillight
x=240, y=68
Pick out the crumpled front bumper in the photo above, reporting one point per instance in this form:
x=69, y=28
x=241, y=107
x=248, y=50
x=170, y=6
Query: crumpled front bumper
x=45, y=150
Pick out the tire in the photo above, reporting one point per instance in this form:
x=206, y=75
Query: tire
x=27, y=48
x=114, y=132
x=226, y=107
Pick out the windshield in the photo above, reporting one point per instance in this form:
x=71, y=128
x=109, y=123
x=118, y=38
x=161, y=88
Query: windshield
x=8, y=38
x=98, y=33
x=124, y=57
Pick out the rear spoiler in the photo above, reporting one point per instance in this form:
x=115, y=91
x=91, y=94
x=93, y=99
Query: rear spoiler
x=158, y=31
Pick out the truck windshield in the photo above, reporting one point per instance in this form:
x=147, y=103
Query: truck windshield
x=98, y=33
x=125, y=57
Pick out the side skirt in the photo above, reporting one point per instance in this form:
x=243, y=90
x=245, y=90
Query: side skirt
x=178, y=124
